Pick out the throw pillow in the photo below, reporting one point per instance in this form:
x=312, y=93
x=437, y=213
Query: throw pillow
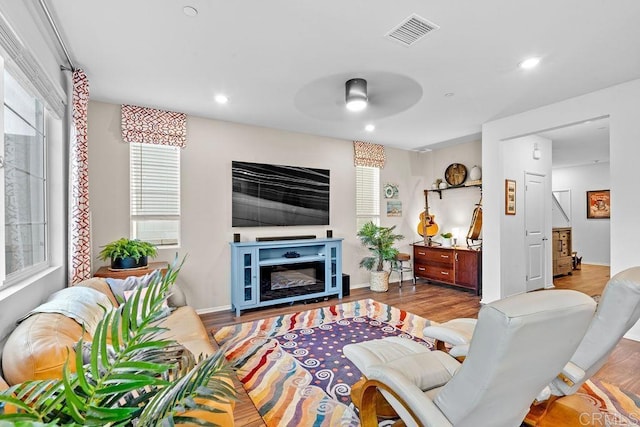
x=120, y=286
x=177, y=297
x=130, y=294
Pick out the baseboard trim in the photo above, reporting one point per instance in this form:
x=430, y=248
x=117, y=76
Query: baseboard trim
x=213, y=309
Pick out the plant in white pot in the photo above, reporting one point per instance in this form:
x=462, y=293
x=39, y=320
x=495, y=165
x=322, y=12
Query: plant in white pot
x=379, y=240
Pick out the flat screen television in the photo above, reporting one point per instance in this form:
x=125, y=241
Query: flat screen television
x=269, y=195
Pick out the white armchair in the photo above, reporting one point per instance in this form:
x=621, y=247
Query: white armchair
x=520, y=344
x=618, y=310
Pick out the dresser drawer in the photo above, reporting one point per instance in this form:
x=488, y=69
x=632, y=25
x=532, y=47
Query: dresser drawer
x=438, y=273
x=563, y=265
x=433, y=255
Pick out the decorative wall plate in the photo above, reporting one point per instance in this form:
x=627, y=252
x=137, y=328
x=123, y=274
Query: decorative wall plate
x=390, y=191
x=455, y=174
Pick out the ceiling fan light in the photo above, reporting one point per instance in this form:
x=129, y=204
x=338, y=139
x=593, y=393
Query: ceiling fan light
x=356, y=94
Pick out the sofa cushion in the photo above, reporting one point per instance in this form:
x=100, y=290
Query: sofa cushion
x=38, y=348
x=85, y=305
x=101, y=285
x=185, y=327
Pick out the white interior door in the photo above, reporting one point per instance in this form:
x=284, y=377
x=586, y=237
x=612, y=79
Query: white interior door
x=535, y=239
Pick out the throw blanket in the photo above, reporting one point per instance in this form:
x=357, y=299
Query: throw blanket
x=84, y=305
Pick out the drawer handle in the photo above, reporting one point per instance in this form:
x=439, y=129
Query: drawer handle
x=422, y=253
x=421, y=268
x=444, y=256
x=444, y=273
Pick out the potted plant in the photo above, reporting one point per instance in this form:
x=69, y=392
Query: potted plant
x=132, y=378
x=446, y=239
x=379, y=240
x=128, y=253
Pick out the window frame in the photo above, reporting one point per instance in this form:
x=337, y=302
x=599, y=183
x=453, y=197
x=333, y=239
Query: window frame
x=134, y=217
x=11, y=279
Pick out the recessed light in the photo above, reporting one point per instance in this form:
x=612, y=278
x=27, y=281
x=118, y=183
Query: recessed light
x=449, y=94
x=529, y=63
x=221, y=99
x=356, y=105
x=369, y=128
x=190, y=11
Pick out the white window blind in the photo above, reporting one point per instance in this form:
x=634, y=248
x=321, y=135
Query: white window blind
x=367, y=195
x=155, y=193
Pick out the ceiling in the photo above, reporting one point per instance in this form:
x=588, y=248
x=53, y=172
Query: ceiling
x=580, y=144
x=283, y=64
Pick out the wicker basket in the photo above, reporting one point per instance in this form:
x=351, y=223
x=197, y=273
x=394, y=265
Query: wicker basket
x=379, y=281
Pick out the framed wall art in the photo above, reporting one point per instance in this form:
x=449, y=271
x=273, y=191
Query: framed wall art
x=509, y=197
x=598, y=204
x=394, y=208
x=391, y=191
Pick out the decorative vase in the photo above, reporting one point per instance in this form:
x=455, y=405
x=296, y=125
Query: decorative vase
x=128, y=262
x=379, y=281
x=475, y=173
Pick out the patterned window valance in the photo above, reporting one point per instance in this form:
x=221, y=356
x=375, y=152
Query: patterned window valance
x=140, y=124
x=366, y=154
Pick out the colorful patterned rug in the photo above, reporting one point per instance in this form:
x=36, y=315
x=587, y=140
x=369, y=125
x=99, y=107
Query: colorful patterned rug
x=293, y=369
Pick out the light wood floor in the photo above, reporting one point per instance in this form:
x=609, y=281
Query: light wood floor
x=442, y=303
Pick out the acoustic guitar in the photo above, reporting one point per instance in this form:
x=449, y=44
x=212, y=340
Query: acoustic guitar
x=476, y=224
x=427, y=225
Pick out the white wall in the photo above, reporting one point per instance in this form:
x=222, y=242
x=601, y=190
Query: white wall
x=621, y=103
x=455, y=209
x=591, y=237
x=19, y=299
x=206, y=194
x=518, y=155
x=406, y=169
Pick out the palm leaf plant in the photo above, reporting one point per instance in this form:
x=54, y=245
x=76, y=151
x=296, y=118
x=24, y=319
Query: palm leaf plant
x=379, y=240
x=134, y=376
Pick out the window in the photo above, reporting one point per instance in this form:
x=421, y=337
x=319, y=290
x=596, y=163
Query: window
x=367, y=195
x=155, y=193
x=24, y=173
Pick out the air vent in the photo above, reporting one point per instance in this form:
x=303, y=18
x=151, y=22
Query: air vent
x=411, y=30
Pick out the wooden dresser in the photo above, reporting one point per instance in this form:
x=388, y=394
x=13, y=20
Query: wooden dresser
x=454, y=266
x=561, y=250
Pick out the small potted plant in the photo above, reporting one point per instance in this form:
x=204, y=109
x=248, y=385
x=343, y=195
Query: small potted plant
x=128, y=253
x=446, y=239
x=379, y=240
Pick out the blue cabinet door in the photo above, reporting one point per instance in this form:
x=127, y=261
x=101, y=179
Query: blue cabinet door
x=334, y=268
x=246, y=278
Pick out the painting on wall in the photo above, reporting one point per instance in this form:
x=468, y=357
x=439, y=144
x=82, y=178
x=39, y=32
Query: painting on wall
x=394, y=208
x=598, y=204
x=509, y=197
x=391, y=191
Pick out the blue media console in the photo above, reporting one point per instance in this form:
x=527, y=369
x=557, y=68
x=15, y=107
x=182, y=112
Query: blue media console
x=276, y=272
